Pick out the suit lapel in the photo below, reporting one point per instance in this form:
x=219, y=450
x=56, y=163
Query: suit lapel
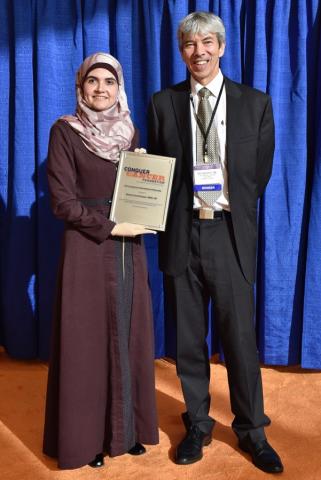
x=233, y=105
x=233, y=127
x=181, y=106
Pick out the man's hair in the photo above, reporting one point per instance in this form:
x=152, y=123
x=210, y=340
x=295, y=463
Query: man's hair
x=203, y=23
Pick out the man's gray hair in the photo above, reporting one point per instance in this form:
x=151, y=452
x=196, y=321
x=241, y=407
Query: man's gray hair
x=203, y=23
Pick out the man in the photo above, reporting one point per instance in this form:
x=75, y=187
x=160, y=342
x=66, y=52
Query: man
x=223, y=139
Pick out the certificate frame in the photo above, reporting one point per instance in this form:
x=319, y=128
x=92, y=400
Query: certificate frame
x=142, y=190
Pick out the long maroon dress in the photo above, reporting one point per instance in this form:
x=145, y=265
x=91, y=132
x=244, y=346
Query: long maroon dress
x=101, y=392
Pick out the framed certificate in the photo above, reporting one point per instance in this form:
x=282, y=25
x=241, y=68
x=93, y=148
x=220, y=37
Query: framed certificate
x=142, y=190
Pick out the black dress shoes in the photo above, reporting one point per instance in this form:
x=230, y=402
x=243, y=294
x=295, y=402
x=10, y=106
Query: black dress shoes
x=137, y=449
x=263, y=455
x=190, y=450
x=98, y=461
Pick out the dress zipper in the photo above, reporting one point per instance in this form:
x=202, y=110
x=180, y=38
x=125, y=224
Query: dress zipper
x=123, y=258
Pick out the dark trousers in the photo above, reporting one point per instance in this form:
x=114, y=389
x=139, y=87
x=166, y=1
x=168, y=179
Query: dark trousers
x=214, y=273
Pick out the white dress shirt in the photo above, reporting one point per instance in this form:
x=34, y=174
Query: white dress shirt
x=220, y=123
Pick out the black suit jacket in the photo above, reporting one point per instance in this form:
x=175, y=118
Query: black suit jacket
x=250, y=147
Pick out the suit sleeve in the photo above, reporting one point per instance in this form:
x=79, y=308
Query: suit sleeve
x=61, y=171
x=265, y=148
x=152, y=129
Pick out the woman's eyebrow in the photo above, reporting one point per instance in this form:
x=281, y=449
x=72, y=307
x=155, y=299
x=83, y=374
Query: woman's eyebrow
x=96, y=78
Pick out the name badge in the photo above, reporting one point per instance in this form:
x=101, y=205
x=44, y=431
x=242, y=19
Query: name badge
x=208, y=177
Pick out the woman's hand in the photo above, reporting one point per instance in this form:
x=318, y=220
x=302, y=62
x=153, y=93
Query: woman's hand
x=129, y=230
x=140, y=150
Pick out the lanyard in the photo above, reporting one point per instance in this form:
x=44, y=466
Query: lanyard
x=199, y=123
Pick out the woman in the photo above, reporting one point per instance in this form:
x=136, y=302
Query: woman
x=100, y=396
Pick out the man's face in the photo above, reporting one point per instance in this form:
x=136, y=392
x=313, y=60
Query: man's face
x=201, y=53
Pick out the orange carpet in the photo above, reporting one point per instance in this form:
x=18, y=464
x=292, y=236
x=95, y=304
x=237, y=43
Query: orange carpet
x=292, y=399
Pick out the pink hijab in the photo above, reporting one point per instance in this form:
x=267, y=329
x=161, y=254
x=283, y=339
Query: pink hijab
x=104, y=133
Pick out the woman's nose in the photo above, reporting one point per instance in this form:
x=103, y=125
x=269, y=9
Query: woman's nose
x=100, y=86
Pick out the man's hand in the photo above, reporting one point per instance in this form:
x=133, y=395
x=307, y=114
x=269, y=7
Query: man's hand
x=129, y=230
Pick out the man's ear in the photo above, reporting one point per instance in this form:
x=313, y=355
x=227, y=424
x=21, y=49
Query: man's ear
x=221, y=50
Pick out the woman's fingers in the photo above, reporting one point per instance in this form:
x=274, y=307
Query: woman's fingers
x=146, y=230
x=130, y=230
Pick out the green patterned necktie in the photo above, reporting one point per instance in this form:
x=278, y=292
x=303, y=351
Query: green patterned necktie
x=204, y=113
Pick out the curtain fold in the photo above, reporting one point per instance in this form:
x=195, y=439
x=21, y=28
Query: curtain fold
x=272, y=45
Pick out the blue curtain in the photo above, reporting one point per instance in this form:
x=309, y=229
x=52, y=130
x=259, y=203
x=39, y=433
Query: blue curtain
x=273, y=45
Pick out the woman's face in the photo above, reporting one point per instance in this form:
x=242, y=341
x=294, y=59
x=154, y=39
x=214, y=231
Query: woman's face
x=100, y=89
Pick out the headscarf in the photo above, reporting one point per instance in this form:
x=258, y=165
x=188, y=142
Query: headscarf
x=110, y=131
